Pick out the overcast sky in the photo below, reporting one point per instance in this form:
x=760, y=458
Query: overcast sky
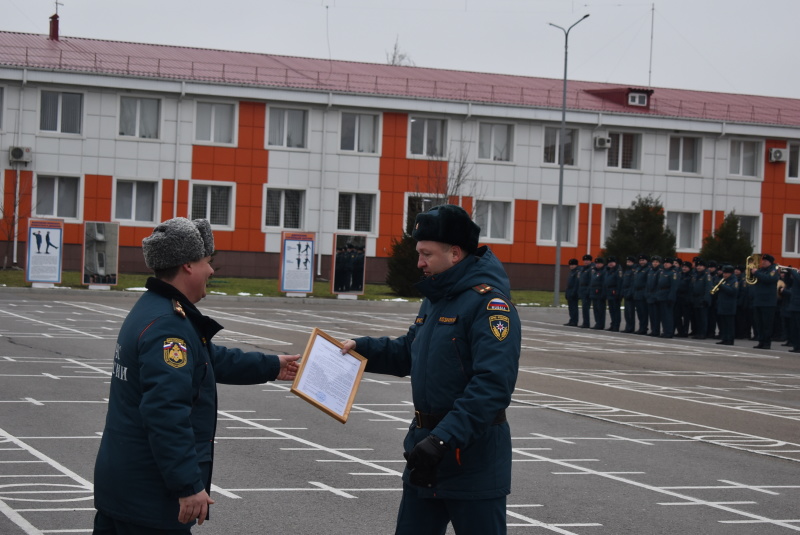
x=732, y=46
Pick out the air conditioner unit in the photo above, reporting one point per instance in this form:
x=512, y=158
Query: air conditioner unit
x=601, y=142
x=778, y=155
x=20, y=155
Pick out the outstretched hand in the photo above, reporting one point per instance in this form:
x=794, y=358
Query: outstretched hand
x=289, y=367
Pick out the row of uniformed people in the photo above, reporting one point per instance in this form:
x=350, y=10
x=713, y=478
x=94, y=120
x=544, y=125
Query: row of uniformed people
x=668, y=297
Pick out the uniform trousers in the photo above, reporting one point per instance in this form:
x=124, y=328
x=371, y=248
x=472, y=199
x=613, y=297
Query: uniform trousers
x=599, y=309
x=763, y=319
x=630, y=315
x=585, y=306
x=430, y=516
x=572, y=306
x=666, y=311
x=614, y=313
x=642, y=315
x=727, y=324
x=654, y=312
x=700, y=321
x=106, y=525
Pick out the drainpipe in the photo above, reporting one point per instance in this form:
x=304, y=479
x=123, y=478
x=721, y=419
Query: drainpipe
x=17, y=139
x=322, y=182
x=177, y=152
x=591, y=184
x=722, y=134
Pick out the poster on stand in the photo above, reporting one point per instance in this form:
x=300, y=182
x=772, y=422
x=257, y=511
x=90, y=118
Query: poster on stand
x=45, y=237
x=347, y=275
x=297, y=262
x=100, y=253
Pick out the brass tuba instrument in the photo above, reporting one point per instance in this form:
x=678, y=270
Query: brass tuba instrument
x=752, y=263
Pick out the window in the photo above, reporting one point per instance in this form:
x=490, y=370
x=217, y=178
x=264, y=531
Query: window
x=624, y=150
x=61, y=112
x=284, y=208
x=685, y=227
x=139, y=117
x=495, y=141
x=57, y=196
x=547, y=223
x=748, y=224
x=215, y=122
x=287, y=128
x=359, y=132
x=135, y=201
x=552, y=145
x=611, y=218
x=794, y=161
x=792, y=234
x=355, y=212
x=637, y=99
x=744, y=158
x=494, y=218
x=684, y=154
x=427, y=137
x=214, y=203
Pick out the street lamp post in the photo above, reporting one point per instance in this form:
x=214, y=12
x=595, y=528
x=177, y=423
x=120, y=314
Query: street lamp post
x=562, y=135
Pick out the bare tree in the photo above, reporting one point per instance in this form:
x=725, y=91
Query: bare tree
x=397, y=57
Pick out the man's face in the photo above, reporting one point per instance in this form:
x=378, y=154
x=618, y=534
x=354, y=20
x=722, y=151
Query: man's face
x=199, y=275
x=629, y=263
x=612, y=265
x=573, y=266
x=436, y=257
x=642, y=262
x=655, y=263
x=765, y=263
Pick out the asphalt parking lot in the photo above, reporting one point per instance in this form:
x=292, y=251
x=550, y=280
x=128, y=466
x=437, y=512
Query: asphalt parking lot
x=612, y=433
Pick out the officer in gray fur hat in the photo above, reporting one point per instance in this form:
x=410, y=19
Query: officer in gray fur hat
x=462, y=353
x=157, y=397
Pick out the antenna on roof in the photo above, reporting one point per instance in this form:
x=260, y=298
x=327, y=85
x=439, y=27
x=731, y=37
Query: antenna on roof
x=54, y=23
x=58, y=4
x=652, y=23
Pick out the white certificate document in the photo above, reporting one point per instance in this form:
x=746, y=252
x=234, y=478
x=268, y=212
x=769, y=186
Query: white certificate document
x=327, y=378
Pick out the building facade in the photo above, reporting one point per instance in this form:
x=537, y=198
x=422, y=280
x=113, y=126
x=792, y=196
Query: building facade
x=102, y=131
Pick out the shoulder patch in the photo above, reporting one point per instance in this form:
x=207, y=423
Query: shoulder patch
x=175, y=352
x=498, y=304
x=500, y=326
x=482, y=288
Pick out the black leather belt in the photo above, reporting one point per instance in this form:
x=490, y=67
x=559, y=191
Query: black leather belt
x=429, y=421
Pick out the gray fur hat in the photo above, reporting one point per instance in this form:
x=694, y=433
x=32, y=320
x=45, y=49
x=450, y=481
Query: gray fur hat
x=178, y=241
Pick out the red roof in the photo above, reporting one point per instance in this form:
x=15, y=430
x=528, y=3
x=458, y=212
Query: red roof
x=248, y=69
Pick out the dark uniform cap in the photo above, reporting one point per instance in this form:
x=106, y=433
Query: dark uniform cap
x=178, y=241
x=611, y=259
x=696, y=259
x=739, y=268
x=447, y=223
x=644, y=257
x=727, y=269
x=587, y=257
x=573, y=261
x=599, y=260
x=700, y=262
x=712, y=264
x=631, y=258
x=668, y=259
x=655, y=258
x=769, y=258
x=687, y=264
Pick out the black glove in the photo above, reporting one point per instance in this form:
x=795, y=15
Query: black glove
x=423, y=460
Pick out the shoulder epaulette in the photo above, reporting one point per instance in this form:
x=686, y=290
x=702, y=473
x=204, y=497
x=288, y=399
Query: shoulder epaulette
x=177, y=308
x=482, y=288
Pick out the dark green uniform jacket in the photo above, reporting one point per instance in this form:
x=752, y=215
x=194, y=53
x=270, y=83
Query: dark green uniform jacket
x=463, y=357
x=158, y=443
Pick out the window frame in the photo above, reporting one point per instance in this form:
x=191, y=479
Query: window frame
x=758, y=155
x=306, y=126
x=373, y=213
x=378, y=118
x=509, y=223
x=235, y=123
x=756, y=239
x=557, y=150
x=699, y=154
x=78, y=201
x=786, y=252
x=697, y=239
x=444, y=138
x=134, y=222
x=510, y=136
x=302, y=211
x=793, y=163
x=231, y=202
x=57, y=131
x=606, y=220
x=638, y=136
x=137, y=135
x=572, y=239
